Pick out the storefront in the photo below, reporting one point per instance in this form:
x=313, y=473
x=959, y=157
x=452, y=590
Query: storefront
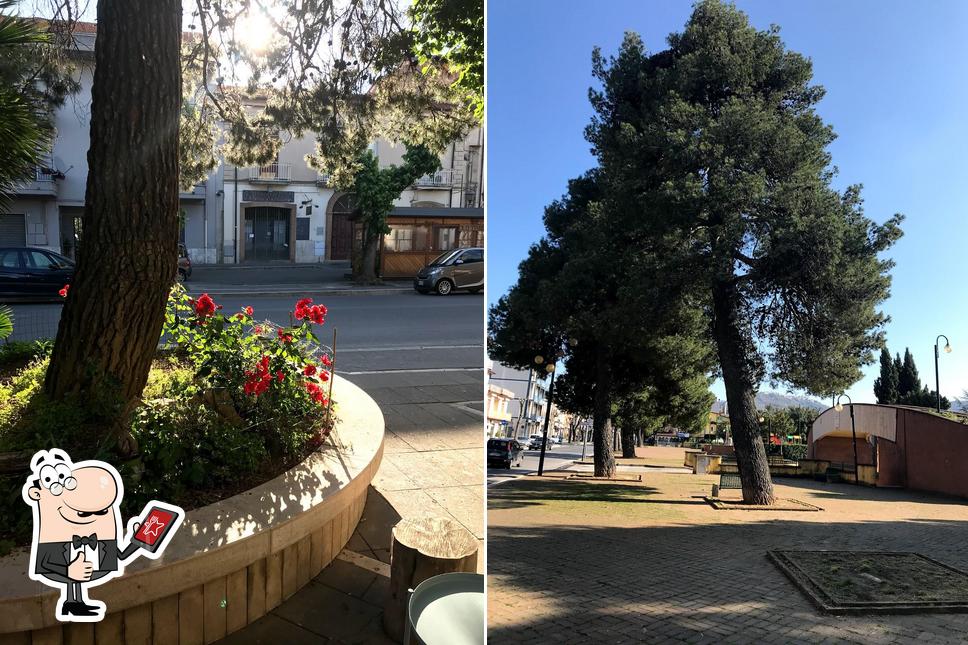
x=419, y=234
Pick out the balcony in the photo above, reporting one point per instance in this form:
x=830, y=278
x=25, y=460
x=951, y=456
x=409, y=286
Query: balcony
x=439, y=179
x=273, y=173
x=42, y=184
x=322, y=179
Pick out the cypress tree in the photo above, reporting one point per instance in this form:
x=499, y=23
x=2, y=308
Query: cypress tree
x=886, y=385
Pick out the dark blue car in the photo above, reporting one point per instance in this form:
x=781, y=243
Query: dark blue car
x=33, y=274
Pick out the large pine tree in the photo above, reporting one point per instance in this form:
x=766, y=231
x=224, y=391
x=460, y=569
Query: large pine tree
x=716, y=142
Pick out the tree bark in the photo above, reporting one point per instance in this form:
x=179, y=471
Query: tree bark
x=111, y=322
x=735, y=346
x=628, y=442
x=371, y=249
x=602, y=419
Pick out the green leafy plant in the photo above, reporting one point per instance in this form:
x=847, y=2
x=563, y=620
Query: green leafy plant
x=6, y=322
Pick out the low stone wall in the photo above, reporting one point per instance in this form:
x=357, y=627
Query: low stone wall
x=231, y=562
x=809, y=468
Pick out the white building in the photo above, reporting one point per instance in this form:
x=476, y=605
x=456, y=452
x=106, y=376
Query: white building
x=280, y=212
x=530, y=396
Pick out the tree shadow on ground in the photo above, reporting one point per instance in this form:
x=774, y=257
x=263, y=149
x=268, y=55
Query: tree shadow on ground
x=708, y=581
x=533, y=492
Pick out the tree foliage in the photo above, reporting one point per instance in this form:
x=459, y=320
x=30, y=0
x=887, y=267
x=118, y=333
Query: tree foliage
x=886, y=385
x=374, y=191
x=24, y=125
x=587, y=282
x=715, y=143
x=900, y=383
x=452, y=32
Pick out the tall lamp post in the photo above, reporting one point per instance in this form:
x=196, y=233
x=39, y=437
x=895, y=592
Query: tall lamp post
x=853, y=431
x=947, y=349
x=558, y=354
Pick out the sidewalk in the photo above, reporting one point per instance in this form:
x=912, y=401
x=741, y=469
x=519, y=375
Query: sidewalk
x=651, y=561
x=321, y=279
x=433, y=464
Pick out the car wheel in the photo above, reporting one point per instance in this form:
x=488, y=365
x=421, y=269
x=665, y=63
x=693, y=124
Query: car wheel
x=444, y=287
x=182, y=276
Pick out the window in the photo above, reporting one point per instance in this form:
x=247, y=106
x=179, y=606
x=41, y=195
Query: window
x=446, y=238
x=38, y=260
x=9, y=259
x=400, y=238
x=474, y=255
x=471, y=236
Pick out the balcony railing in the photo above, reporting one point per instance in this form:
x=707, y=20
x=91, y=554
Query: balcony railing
x=322, y=179
x=45, y=174
x=273, y=172
x=439, y=179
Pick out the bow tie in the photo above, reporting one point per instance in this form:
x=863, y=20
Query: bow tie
x=79, y=540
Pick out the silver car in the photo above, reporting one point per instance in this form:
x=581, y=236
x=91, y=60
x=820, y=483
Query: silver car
x=454, y=269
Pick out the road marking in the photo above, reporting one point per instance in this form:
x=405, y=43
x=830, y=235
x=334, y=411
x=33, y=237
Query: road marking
x=416, y=371
x=410, y=348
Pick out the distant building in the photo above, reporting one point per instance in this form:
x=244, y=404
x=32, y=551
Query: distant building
x=281, y=212
x=530, y=396
x=499, y=401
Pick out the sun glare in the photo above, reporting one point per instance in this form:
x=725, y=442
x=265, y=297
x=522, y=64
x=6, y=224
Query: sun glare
x=253, y=31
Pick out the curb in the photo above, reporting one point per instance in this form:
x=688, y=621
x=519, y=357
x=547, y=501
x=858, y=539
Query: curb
x=289, y=291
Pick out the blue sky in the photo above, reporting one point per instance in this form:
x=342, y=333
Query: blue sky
x=895, y=74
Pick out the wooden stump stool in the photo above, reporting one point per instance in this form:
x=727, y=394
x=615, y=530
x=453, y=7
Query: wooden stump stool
x=421, y=549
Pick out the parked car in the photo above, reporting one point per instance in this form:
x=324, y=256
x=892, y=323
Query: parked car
x=184, y=263
x=503, y=452
x=29, y=273
x=535, y=442
x=454, y=269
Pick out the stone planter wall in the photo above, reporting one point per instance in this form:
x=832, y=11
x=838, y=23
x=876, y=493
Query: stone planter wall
x=231, y=562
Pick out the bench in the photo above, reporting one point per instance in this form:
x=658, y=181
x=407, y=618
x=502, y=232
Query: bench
x=727, y=481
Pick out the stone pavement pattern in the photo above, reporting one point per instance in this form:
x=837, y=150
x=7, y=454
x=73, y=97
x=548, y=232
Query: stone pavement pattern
x=657, y=565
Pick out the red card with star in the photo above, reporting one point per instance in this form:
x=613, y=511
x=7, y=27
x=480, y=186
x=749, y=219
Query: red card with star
x=155, y=527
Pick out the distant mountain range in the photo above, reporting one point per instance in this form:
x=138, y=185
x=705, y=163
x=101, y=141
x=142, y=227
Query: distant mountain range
x=778, y=400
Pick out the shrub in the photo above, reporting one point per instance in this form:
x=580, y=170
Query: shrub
x=234, y=400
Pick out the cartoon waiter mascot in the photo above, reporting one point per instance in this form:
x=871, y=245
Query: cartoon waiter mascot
x=76, y=524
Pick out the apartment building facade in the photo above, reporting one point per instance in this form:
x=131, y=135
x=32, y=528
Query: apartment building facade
x=282, y=212
x=530, y=391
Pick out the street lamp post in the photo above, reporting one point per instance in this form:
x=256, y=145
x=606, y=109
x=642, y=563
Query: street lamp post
x=853, y=431
x=947, y=349
x=558, y=354
x=544, y=434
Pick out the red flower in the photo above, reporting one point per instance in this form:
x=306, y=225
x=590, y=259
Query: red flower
x=63, y=291
x=248, y=311
x=283, y=336
x=316, y=393
x=309, y=370
x=280, y=376
x=259, y=379
x=205, y=306
x=240, y=316
x=324, y=376
x=257, y=329
x=302, y=308
x=326, y=360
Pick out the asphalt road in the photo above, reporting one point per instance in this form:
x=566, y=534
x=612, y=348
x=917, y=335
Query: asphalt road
x=386, y=332
x=560, y=457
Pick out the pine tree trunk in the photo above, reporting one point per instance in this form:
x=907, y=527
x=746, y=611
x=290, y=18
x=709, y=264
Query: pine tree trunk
x=628, y=442
x=734, y=345
x=111, y=322
x=602, y=420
